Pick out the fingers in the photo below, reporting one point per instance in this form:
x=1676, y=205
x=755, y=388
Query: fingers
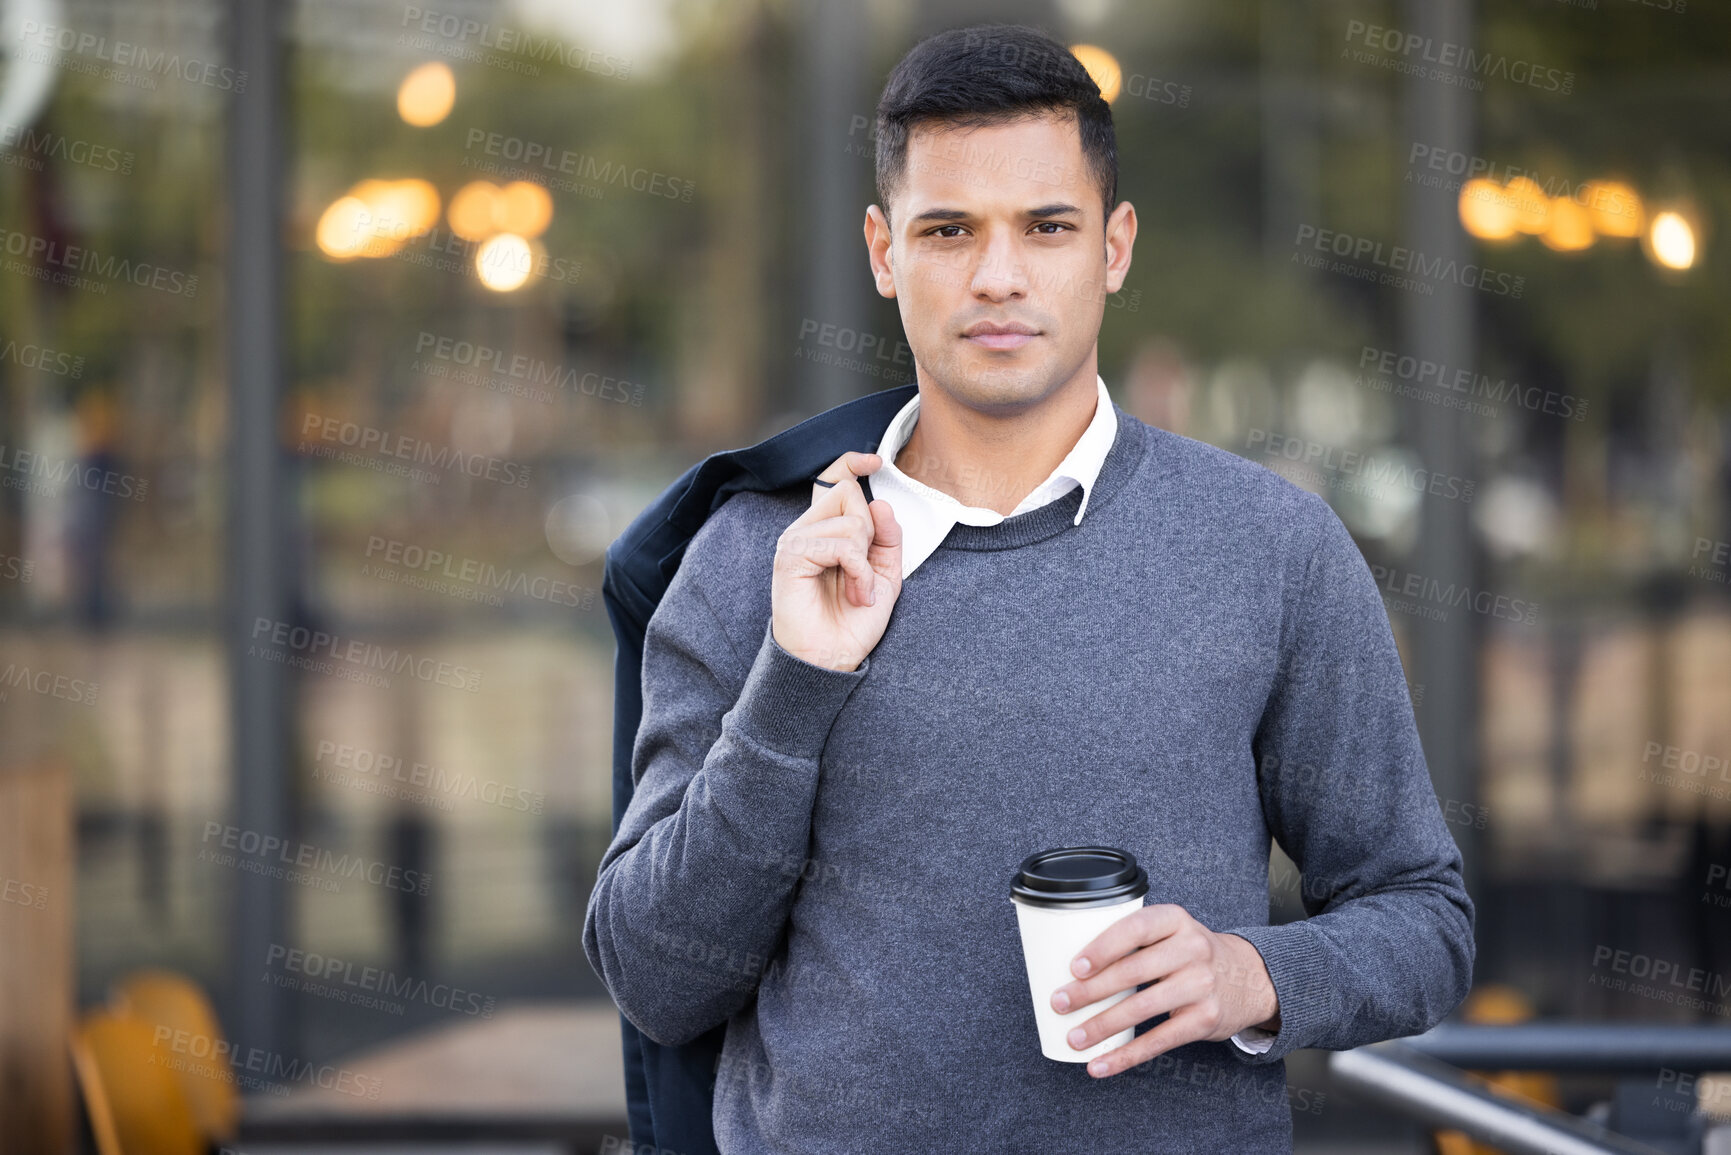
x=1132, y=932
x=841, y=509
x=844, y=494
x=1142, y=966
x=1188, y=986
x=885, y=552
x=1183, y=1027
x=843, y=541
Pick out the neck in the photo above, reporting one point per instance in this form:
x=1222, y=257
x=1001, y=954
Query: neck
x=995, y=459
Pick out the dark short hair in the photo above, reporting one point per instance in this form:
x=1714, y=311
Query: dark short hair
x=987, y=75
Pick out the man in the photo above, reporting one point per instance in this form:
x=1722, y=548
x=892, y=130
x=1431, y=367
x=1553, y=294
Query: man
x=1052, y=625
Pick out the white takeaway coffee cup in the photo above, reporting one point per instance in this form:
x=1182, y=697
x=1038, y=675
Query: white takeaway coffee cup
x=1064, y=898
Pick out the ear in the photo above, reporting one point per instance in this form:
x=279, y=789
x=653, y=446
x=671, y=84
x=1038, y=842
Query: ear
x=1120, y=238
x=879, y=242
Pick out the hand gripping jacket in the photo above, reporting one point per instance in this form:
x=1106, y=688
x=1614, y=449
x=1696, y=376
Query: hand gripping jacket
x=670, y=1091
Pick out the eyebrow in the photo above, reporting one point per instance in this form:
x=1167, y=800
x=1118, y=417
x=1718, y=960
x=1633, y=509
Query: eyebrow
x=1059, y=209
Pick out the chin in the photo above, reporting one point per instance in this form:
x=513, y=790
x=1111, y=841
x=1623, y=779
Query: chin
x=1002, y=385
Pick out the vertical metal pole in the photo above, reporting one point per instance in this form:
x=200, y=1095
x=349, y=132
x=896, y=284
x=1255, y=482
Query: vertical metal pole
x=835, y=277
x=1439, y=328
x=257, y=555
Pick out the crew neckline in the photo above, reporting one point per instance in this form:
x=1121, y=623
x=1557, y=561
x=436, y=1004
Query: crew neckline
x=1129, y=445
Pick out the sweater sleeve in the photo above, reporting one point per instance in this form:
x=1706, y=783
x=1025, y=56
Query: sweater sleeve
x=1387, y=949
x=687, y=906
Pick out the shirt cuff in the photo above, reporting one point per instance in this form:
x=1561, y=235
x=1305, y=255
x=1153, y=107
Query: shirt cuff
x=1254, y=1040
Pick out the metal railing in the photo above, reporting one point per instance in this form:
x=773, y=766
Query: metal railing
x=1578, y=1047
x=1401, y=1077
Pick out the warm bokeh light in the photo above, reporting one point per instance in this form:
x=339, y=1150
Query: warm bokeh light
x=1531, y=205
x=1102, y=66
x=1671, y=241
x=1615, y=208
x=375, y=218
x=472, y=213
x=503, y=263
x=344, y=228
x=401, y=209
x=1571, y=227
x=427, y=94
x=1486, y=210
x=481, y=208
x=524, y=208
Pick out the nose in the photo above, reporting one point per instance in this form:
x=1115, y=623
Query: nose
x=1000, y=275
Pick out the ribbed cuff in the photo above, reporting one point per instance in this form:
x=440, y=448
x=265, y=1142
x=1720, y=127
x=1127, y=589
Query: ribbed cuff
x=1299, y=969
x=788, y=704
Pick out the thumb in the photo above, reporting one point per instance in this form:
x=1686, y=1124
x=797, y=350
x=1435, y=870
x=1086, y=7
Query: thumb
x=885, y=554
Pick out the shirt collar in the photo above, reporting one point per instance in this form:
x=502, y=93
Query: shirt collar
x=1081, y=465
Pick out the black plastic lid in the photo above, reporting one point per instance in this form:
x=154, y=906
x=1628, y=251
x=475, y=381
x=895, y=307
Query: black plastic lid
x=1078, y=876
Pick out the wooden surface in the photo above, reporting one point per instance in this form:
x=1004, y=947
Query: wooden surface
x=36, y=968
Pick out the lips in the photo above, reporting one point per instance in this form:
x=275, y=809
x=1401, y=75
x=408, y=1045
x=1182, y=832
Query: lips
x=1000, y=336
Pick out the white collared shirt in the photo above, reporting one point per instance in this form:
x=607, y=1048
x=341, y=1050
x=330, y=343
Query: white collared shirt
x=927, y=515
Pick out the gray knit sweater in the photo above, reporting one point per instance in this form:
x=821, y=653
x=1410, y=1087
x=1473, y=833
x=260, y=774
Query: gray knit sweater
x=822, y=859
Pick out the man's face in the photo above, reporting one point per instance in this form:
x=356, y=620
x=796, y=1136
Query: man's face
x=1000, y=258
